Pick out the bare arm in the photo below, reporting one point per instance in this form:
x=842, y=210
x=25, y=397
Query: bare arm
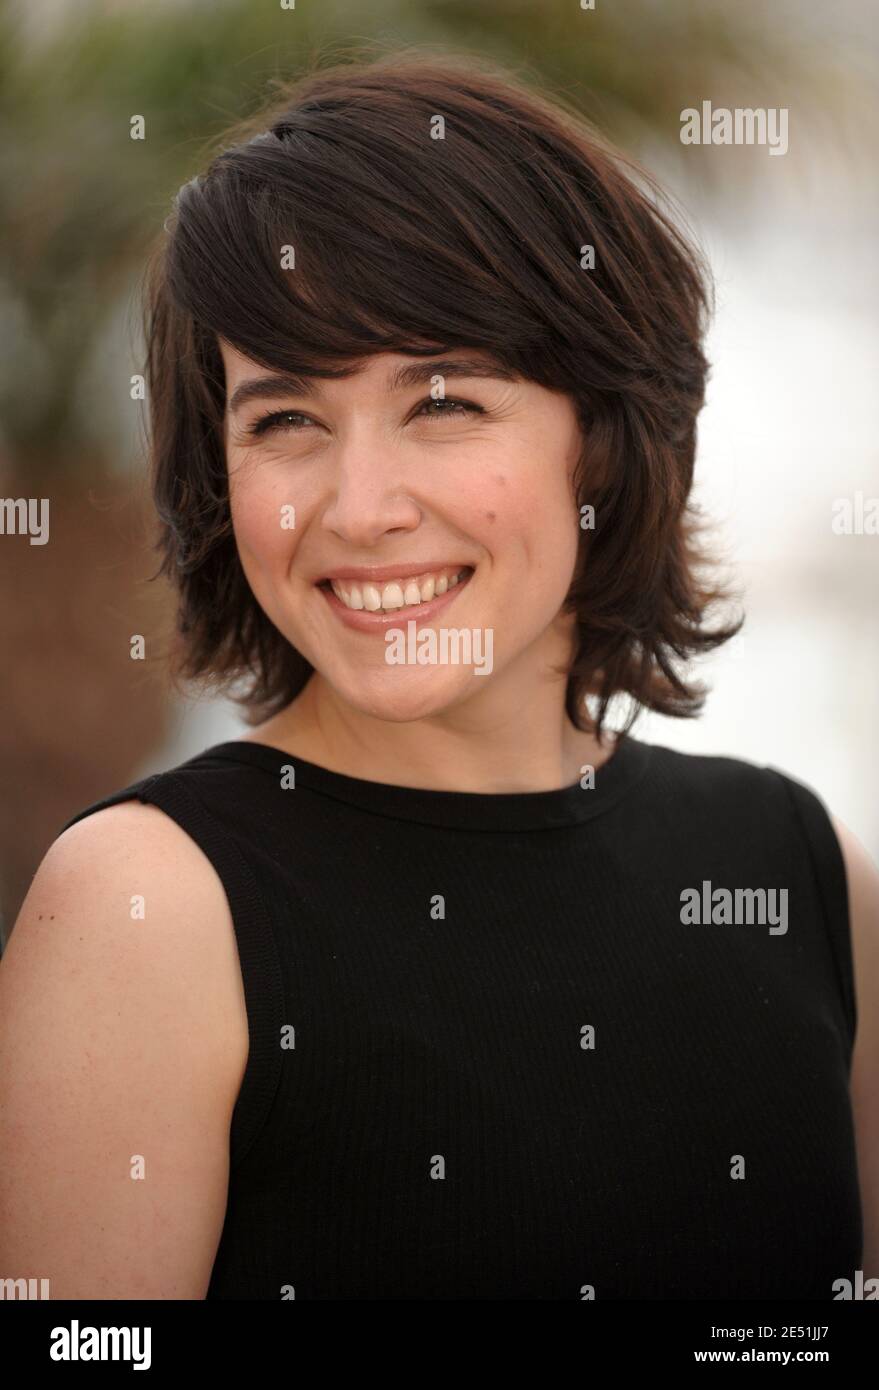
x=121, y=1039
x=863, y=884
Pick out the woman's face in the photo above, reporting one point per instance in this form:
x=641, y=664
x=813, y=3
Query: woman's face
x=350, y=497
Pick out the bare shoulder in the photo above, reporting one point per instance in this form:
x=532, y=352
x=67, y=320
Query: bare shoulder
x=863, y=891
x=123, y=1041
x=862, y=877
x=127, y=889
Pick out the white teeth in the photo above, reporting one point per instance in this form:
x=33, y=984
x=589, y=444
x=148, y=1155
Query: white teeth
x=392, y=596
x=371, y=597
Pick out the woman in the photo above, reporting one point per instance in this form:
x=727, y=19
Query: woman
x=428, y=987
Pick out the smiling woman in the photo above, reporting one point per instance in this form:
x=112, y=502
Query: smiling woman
x=426, y=1018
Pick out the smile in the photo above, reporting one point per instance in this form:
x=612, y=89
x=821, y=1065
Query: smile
x=373, y=606
x=406, y=592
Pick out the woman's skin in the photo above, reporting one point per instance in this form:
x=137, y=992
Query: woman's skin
x=120, y=1037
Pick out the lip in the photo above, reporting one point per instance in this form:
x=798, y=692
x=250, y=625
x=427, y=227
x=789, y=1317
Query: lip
x=361, y=621
x=379, y=574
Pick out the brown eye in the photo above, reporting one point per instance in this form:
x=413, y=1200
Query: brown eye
x=280, y=420
x=459, y=409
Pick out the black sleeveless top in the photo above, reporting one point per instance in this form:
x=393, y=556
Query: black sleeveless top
x=533, y=1045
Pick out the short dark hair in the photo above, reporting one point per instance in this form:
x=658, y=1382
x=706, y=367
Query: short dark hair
x=411, y=244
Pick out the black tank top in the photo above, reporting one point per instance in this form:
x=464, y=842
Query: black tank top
x=586, y=1042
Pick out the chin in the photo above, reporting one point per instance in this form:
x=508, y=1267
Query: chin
x=401, y=696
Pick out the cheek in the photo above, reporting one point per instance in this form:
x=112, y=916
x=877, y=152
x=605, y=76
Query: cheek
x=263, y=520
x=529, y=524
x=528, y=512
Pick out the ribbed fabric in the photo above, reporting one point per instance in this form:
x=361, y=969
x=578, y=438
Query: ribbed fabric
x=438, y=1130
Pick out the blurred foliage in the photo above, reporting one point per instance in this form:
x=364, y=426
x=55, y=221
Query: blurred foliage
x=82, y=201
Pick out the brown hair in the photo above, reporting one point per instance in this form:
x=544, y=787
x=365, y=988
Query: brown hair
x=412, y=244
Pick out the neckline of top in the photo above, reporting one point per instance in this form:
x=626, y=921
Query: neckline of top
x=456, y=810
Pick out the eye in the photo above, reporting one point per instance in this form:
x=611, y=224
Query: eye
x=278, y=420
x=290, y=421
x=457, y=410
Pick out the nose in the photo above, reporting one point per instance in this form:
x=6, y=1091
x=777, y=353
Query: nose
x=369, y=494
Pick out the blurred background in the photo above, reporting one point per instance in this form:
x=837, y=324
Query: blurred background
x=790, y=427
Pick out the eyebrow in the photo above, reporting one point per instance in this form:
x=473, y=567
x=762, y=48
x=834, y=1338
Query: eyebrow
x=414, y=374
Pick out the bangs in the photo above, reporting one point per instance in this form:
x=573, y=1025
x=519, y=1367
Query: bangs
x=302, y=251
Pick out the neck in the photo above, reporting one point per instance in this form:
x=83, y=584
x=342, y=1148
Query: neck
x=504, y=740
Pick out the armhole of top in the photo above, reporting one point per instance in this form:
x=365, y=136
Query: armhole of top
x=828, y=868
x=255, y=938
